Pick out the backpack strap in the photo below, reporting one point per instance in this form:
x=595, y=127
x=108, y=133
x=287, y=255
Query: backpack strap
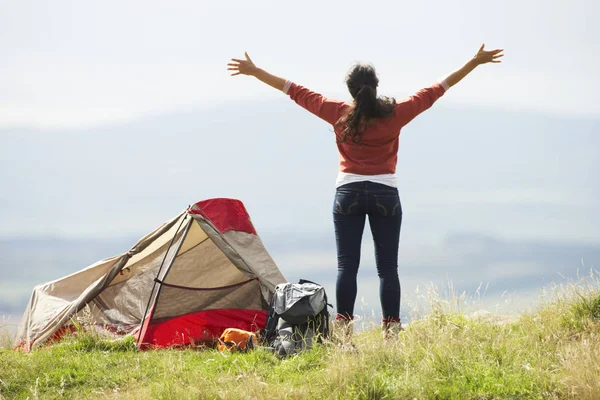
x=301, y=281
x=268, y=335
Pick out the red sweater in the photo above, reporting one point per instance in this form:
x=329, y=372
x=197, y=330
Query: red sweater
x=377, y=153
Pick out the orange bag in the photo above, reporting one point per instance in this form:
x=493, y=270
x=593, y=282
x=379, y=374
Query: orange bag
x=237, y=339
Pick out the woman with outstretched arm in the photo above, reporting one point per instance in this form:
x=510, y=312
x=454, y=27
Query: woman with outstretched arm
x=367, y=132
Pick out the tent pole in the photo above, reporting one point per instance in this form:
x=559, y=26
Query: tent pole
x=168, y=267
x=157, y=275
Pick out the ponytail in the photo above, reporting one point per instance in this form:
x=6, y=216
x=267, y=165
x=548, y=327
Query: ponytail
x=362, y=83
x=366, y=100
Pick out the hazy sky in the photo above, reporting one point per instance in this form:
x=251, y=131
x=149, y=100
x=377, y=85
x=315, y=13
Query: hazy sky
x=115, y=115
x=73, y=63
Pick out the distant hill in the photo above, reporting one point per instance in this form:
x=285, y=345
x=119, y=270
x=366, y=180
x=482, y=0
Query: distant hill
x=460, y=169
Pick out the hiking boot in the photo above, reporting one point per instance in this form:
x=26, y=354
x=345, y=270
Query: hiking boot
x=391, y=328
x=341, y=331
x=348, y=347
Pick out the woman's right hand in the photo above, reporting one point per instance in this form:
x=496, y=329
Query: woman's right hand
x=484, y=57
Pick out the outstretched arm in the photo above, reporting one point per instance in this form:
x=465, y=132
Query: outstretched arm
x=247, y=67
x=482, y=57
x=327, y=109
x=423, y=99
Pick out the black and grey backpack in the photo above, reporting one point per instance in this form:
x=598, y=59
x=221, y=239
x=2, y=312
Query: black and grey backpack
x=297, y=317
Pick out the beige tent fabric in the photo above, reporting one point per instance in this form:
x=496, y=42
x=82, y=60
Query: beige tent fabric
x=125, y=301
x=156, y=241
x=51, y=301
x=194, y=237
x=53, y=304
x=239, y=245
x=252, y=250
x=200, y=269
x=205, y=266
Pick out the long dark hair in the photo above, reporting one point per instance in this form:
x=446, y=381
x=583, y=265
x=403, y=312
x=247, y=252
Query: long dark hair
x=362, y=83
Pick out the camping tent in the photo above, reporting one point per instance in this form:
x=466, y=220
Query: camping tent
x=197, y=274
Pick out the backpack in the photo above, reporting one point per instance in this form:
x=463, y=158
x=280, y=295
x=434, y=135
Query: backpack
x=298, y=315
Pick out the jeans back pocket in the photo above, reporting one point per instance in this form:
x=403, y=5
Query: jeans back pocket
x=388, y=204
x=346, y=203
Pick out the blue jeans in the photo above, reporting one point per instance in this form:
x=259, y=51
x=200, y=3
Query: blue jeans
x=353, y=202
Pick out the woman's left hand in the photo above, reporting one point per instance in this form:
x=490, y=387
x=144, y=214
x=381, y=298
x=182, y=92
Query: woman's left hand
x=244, y=67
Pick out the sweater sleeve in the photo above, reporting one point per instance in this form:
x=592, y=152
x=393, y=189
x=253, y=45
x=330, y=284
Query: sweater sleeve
x=408, y=109
x=327, y=109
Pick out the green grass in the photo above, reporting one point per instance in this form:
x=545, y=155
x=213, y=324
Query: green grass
x=551, y=353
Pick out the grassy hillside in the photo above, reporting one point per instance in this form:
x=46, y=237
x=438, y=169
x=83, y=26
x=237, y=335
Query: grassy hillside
x=550, y=353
